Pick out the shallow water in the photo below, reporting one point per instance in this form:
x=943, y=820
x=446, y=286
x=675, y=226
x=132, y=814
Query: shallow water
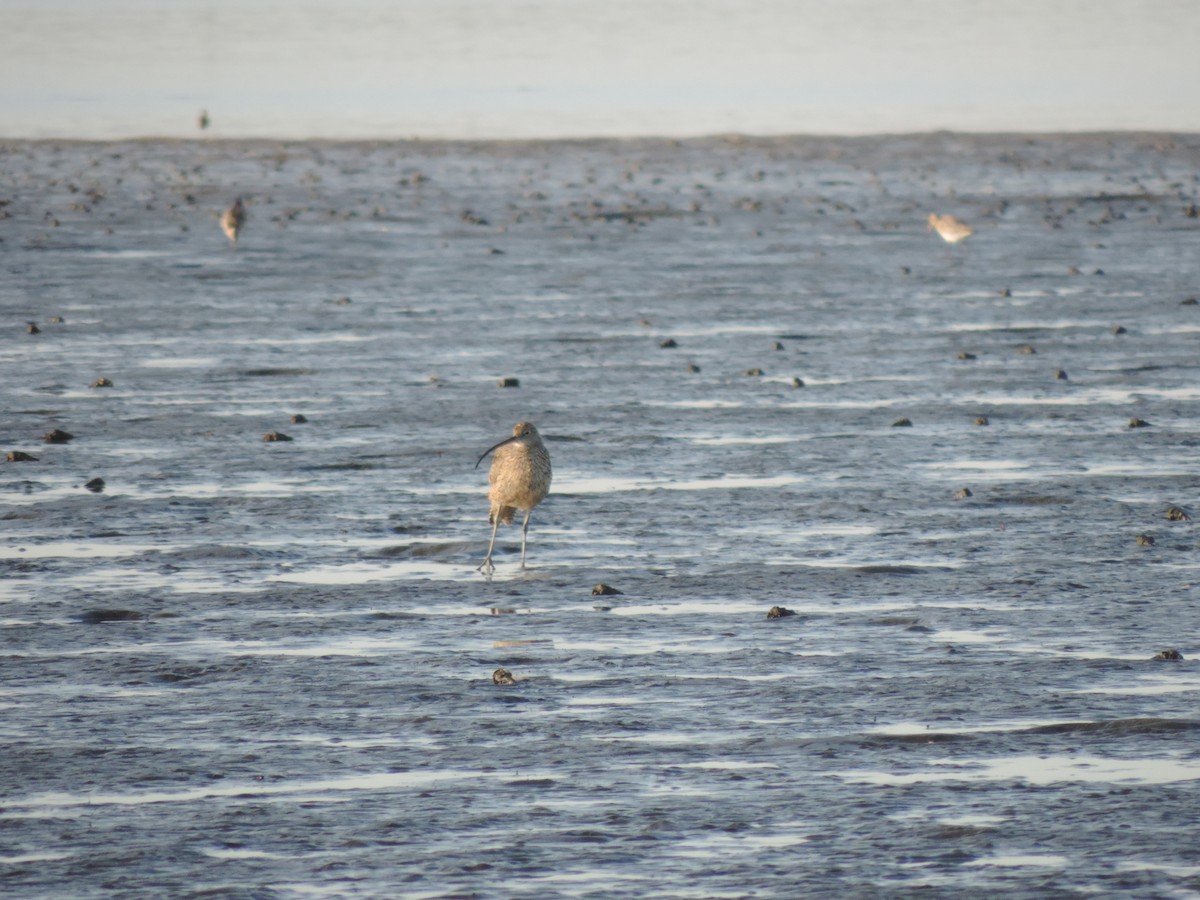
x=263, y=669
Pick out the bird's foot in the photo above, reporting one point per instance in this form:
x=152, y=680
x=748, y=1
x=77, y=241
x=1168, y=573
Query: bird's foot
x=486, y=568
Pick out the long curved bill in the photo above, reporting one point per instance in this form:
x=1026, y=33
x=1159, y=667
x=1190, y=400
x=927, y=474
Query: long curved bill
x=497, y=447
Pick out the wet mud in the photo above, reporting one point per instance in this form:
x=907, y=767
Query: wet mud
x=246, y=648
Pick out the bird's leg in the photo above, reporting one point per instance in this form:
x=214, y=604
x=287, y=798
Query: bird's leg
x=524, y=532
x=487, y=568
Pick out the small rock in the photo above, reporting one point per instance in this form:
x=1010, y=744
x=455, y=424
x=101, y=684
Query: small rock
x=96, y=485
x=1135, y=422
x=508, y=382
x=982, y=420
x=20, y=456
x=1145, y=540
x=1175, y=514
x=56, y=320
x=755, y=373
x=1072, y=270
x=693, y=368
x=1170, y=654
x=963, y=494
x=503, y=676
x=603, y=589
x=1007, y=292
x=298, y=419
x=343, y=301
x=1099, y=272
x=101, y=382
x=668, y=344
x=1061, y=375
x=100, y=616
x=797, y=382
x=57, y=436
x=963, y=354
x=902, y=423
x=275, y=436
x=32, y=328
x=1190, y=301
x=778, y=345
x=1027, y=350
x=1118, y=329
x=779, y=612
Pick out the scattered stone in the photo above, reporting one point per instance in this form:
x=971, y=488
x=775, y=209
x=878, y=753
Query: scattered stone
x=1027, y=350
x=56, y=320
x=275, y=436
x=668, y=344
x=693, y=368
x=343, y=301
x=982, y=420
x=779, y=612
x=1135, y=422
x=1170, y=654
x=1072, y=270
x=1061, y=375
x=603, y=589
x=298, y=419
x=963, y=494
x=1175, y=514
x=503, y=676
x=1118, y=329
x=101, y=382
x=778, y=345
x=1007, y=292
x=501, y=610
x=1190, y=301
x=20, y=456
x=32, y=328
x=797, y=382
x=1145, y=540
x=963, y=354
x=96, y=485
x=508, y=382
x=905, y=270
x=754, y=373
x=57, y=436
x=904, y=422
x=1099, y=272
x=496, y=251
x=100, y=616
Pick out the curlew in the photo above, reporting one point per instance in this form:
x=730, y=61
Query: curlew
x=233, y=220
x=951, y=228
x=519, y=479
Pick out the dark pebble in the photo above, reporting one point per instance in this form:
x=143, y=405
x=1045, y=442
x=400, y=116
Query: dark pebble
x=298, y=419
x=779, y=612
x=101, y=382
x=1028, y=350
x=963, y=494
x=96, y=485
x=1007, y=292
x=100, y=616
x=603, y=589
x=1175, y=514
x=754, y=372
x=1171, y=654
x=797, y=382
x=1061, y=375
x=1190, y=301
x=693, y=368
x=275, y=436
x=56, y=320
x=778, y=345
x=963, y=354
x=343, y=301
x=1145, y=540
x=902, y=423
x=20, y=456
x=668, y=344
x=32, y=328
x=508, y=382
x=503, y=676
x=1118, y=329
x=982, y=420
x=1138, y=423
x=57, y=436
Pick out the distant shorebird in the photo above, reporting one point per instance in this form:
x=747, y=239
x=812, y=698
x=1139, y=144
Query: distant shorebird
x=519, y=479
x=202, y=119
x=951, y=228
x=233, y=220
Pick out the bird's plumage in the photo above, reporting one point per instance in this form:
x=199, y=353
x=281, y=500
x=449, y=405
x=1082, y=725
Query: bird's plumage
x=951, y=228
x=519, y=479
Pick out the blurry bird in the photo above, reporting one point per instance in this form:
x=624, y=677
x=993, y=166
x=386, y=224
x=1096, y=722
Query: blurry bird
x=202, y=119
x=233, y=220
x=519, y=479
x=951, y=228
